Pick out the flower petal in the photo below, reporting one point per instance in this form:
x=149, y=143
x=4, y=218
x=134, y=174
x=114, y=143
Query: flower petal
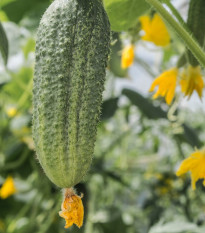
x=155, y=30
x=8, y=188
x=127, y=56
x=167, y=85
x=191, y=79
x=72, y=209
x=196, y=165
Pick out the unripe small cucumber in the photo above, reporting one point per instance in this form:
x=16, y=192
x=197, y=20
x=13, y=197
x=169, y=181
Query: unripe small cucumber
x=196, y=24
x=71, y=56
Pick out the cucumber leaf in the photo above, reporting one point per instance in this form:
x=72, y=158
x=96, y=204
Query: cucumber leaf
x=5, y=2
x=123, y=14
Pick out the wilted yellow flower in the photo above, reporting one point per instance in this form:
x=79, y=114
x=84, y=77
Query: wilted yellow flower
x=192, y=80
x=196, y=165
x=155, y=30
x=72, y=209
x=127, y=56
x=8, y=188
x=167, y=84
x=11, y=111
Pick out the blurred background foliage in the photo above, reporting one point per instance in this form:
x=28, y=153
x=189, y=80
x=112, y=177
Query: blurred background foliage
x=132, y=186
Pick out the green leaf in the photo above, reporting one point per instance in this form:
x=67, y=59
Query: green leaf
x=123, y=14
x=32, y=16
x=190, y=136
x=144, y=104
x=5, y=2
x=29, y=47
x=155, y=112
x=109, y=108
x=4, y=47
x=3, y=16
x=19, y=85
x=22, y=7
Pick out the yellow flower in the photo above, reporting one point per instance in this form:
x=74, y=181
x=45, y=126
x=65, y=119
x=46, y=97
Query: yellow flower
x=8, y=188
x=192, y=80
x=127, y=56
x=167, y=84
x=72, y=209
x=11, y=111
x=196, y=165
x=155, y=30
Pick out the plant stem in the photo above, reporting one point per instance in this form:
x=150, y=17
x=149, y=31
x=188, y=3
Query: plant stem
x=174, y=11
x=189, y=40
x=17, y=163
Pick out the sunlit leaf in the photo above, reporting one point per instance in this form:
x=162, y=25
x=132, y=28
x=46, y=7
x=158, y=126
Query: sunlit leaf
x=123, y=14
x=3, y=16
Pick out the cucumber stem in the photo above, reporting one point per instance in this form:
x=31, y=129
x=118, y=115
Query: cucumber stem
x=189, y=40
x=174, y=12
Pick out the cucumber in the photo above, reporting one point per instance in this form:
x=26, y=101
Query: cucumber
x=72, y=49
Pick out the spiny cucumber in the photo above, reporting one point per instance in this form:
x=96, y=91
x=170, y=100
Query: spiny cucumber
x=72, y=48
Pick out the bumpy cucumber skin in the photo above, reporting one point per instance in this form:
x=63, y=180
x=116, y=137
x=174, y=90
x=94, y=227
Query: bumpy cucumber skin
x=196, y=24
x=72, y=49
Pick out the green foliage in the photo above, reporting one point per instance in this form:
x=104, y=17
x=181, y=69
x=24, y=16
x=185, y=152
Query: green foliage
x=18, y=8
x=123, y=14
x=29, y=47
x=5, y=2
x=131, y=186
x=144, y=105
x=109, y=108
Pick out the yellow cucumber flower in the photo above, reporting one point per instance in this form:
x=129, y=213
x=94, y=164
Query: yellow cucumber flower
x=8, y=188
x=191, y=79
x=196, y=165
x=127, y=56
x=155, y=30
x=167, y=84
x=72, y=209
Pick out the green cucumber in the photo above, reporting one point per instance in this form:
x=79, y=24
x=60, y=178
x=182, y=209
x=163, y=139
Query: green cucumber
x=72, y=49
